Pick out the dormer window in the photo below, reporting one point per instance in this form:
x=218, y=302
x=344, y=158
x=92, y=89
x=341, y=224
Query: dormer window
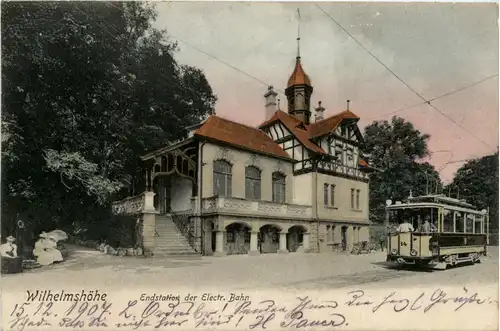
x=350, y=158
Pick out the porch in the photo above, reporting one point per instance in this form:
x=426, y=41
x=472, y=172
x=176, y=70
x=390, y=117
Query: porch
x=172, y=197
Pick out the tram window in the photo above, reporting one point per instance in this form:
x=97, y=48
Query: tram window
x=448, y=221
x=459, y=221
x=469, y=221
x=477, y=225
x=415, y=216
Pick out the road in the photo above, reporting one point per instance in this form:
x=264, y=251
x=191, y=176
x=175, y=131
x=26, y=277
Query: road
x=286, y=272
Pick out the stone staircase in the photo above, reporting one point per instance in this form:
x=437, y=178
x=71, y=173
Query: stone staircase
x=169, y=240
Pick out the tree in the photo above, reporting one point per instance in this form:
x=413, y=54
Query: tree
x=87, y=88
x=395, y=147
x=477, y=182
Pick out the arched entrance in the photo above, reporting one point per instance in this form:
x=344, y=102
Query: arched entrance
x=269, y=239
x=237, y=238
x=295, y=237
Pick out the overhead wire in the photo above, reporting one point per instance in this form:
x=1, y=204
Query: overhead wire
x=425, y=101
x=437, y=97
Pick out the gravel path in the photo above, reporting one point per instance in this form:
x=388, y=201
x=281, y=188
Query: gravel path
x=288, y=272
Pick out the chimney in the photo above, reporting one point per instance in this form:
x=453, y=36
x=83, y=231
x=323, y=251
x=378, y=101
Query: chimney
x=319, y=112
x=270, y=102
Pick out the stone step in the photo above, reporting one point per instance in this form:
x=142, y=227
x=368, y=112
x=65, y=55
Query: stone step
x=173, y=251
x=173, y=245
x=170, y=240
x=160, y=254
x=174, y=248
x=170, y=235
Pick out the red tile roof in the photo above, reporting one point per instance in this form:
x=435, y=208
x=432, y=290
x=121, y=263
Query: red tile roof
x=239, y=135
x=253, y=139
x=298, y=77
x=329, y=124
x=292, y=124
x=313, y=130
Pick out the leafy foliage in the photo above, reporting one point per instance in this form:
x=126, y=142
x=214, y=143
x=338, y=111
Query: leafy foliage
x=87, y=88
x=395, y=147
x=477, y=182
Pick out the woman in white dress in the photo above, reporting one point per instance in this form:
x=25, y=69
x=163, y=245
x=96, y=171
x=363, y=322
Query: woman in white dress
x=46, y=251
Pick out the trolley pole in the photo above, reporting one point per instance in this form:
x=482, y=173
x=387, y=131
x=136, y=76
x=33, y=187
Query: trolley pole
x=488, y=226
x=386, y=228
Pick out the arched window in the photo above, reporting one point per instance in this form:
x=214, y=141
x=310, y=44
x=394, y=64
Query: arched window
x=222, y=178
x=279, y=187
x=252, y=183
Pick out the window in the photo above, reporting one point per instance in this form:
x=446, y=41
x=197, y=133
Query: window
x=350, y=158
x=279, y=186
x=222, y=178
x=469, y=223
x=252, y=183
x=477, y=225
x=448, y=221
x=416, y=217
x=325, y=194
x=339, y=154
x=247, y=237
x=352, y=198
x=332, y=195
x=459, y=222
x=357, y=199
x=230, y=237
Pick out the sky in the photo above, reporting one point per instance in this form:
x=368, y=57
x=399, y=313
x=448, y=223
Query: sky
x=435, y=48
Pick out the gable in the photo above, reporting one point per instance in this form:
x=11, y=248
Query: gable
x=298, y=129
x=239, y=135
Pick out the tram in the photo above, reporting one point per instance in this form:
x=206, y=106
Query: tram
x=457, y=233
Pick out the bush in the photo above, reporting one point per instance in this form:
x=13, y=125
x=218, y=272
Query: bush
x=122, y=231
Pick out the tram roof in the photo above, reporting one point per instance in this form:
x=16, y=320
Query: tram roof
x=439, y=198
x=434, y=201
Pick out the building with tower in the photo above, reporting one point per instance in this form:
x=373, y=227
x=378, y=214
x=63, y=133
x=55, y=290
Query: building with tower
x=296, y=183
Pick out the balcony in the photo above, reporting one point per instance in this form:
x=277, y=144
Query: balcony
x=255, y=208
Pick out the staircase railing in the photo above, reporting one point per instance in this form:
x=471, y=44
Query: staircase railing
x=182, y=221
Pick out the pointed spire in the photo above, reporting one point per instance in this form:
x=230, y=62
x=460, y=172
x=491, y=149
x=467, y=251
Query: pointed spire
x=298, y=77
x=298, y=33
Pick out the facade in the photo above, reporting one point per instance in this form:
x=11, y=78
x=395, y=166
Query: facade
x=291, y=185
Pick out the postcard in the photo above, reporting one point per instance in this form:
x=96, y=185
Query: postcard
x=249, y=166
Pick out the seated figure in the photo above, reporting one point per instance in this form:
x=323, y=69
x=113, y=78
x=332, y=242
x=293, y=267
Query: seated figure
x=9, y=249
x=46, y=251
x=11, y=263
x=427, y=227
x=404, y=227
